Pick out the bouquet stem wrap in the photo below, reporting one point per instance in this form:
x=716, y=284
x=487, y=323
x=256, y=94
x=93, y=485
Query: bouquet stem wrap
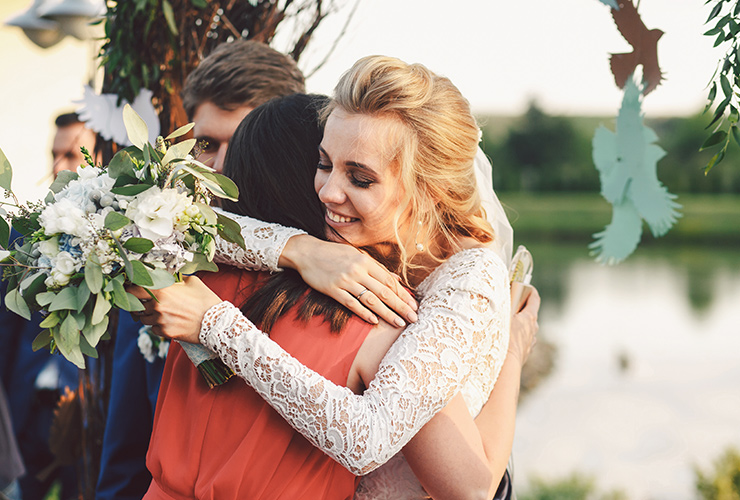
x=210, y=366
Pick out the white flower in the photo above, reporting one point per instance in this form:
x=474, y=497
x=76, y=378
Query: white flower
x=64, y=217
x=4, y=254
x=146, y=346
x=50, y=247
x=64, y=263
x=91, y=179
x=164, y=346
x=87, y=172
x=158, y=212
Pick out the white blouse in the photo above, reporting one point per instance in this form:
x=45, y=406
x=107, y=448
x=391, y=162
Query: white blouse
x=458, y=345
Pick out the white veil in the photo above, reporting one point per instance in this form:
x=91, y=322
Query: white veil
x=503, y=242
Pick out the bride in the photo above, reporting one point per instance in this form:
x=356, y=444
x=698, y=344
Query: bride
x=396, y=174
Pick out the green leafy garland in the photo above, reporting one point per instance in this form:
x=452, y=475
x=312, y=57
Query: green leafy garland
x=726, y=79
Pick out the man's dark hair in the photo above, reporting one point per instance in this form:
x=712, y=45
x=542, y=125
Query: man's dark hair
x=272, y=158
x=241, y=73
x=67, y=119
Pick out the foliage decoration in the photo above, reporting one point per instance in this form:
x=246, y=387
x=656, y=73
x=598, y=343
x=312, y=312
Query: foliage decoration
x=724, y=85
x=155, y=44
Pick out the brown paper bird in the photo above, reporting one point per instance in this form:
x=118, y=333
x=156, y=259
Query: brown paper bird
x=644, y=44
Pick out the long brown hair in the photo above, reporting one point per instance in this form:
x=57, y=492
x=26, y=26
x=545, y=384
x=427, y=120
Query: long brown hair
x=272, y=158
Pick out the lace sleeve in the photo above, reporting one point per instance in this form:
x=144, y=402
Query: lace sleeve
x=264, y=244
x=459, y=321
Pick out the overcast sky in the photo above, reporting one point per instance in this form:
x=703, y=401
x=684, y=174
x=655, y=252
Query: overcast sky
x=501, y=54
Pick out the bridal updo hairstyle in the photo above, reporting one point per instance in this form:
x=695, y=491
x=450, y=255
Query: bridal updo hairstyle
x=436, y=142
x=272, y=159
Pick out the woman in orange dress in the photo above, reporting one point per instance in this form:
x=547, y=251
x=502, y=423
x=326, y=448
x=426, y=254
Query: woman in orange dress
x=227, y=443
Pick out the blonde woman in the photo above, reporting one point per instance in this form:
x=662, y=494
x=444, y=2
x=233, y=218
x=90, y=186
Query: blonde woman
x=395, y=175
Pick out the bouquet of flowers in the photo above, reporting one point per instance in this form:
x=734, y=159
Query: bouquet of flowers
x=144, y=219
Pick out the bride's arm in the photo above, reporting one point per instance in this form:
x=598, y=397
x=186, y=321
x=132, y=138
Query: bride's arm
x=455, y=457
x=339, y=271
x=458, y=322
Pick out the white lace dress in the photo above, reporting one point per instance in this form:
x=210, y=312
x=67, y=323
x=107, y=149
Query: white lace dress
x=457, y=345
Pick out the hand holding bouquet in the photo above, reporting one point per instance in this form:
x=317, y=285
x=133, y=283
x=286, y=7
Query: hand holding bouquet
x=144, y=219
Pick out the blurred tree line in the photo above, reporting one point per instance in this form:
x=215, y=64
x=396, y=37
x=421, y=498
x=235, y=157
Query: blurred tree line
x=542, y=152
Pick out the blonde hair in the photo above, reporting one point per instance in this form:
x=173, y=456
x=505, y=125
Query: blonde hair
x=437, y=142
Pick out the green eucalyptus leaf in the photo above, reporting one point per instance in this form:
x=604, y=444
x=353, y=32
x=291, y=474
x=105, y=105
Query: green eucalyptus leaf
x=61, y=180
x=15, y=302
x=199, y=263
x=93, y=333
x=201, y=4
x=83, y=294
x=42, y=340
x=6, y=172
x=123, y=163
x=126, y=261
x=138, y=132
x=125, y=180
x=85, y=347
x=93, y=273
x=65, y=299
x=227, y=185
x=160, y=278
x=131, y=190
x=178, y=151
x=180, y=131
x=231, y=231
x=51, y=320
x=68, y=341
x=4, y=233
x=100, y=311
x=140, y=275
x=34, y=287
x=27, y=225
x=45, y=298
x=80, y=318
x=115, y=221
x=138, y=245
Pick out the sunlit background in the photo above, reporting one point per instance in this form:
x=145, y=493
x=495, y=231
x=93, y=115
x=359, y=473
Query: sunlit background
x=646, y=380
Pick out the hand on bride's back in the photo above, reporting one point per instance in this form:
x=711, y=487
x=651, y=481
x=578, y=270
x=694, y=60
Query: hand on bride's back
x=178, y=309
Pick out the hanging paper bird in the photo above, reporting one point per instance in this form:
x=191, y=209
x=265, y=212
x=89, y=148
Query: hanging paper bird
x=644, y=44
x=627, y=164
x=611, y=3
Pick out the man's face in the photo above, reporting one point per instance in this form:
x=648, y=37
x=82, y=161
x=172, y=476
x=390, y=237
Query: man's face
x=65, y=150
x=216, y=126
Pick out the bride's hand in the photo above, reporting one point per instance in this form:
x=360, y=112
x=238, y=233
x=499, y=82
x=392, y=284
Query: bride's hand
x=350, y=277
x=178, y=309
x=524, y=327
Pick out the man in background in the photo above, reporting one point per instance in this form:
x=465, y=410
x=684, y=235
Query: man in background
x=70, y=136
x=229, y=83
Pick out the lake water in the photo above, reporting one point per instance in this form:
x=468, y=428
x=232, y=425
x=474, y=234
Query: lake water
x=646, y=383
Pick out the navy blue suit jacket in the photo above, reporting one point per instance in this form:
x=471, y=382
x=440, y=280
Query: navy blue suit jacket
x=133, y=398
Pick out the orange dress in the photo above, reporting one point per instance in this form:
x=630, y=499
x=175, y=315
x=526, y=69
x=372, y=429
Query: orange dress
x=228, y=443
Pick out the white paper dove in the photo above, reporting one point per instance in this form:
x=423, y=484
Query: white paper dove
x=101, y=114
x=627, y=164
